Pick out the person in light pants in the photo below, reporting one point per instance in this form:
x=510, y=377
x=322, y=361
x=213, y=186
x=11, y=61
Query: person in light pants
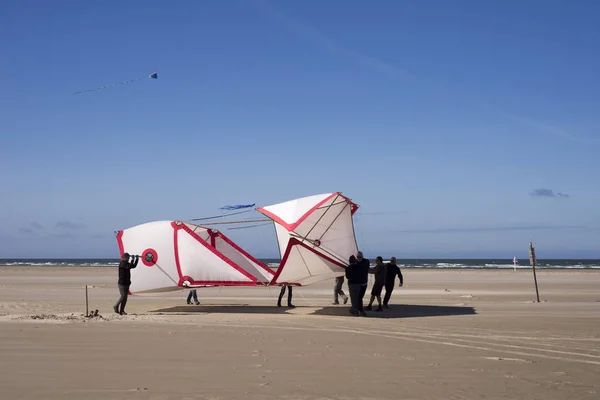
x=337, y=290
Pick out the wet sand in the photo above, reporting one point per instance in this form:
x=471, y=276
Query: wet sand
x=448, y=335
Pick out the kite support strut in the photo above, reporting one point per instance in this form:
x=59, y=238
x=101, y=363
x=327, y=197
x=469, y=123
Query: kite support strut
x=86, y=302
x=235, y=222
x=322, y=215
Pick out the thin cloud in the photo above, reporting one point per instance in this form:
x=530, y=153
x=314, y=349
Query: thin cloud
x=547, y=128
x=547, y=193
x=540, y=126
x=35, y=225
x=70, y=225
x=25, y=230
x=493, y=229
x=314, y=35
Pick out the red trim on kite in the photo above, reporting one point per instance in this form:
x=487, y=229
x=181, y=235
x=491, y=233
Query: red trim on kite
x=193, y=283
x=352, y=204
x=245, y=253
x=120, y=242
x=209, y=247
x=176, y=252
x=295, y=242
x=293, y=225
x=221, y=283
x=212, y=235
x=154, y=257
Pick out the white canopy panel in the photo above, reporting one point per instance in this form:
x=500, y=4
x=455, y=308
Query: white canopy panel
x=316, y=237
x=176, y=254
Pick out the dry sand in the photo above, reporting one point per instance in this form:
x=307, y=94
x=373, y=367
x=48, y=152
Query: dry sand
x=448, y=335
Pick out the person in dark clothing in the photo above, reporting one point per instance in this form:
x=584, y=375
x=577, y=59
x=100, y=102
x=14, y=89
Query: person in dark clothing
x=353, y=287
x=337, y=290
x=380, y=275
x=390, y=278
x=125, y=267
x=364, y=264
x=357, y=273
x=289, y=298
x=193, y=294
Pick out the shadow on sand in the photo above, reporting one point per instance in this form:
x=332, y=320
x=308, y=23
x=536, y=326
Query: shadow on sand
x=395, y=311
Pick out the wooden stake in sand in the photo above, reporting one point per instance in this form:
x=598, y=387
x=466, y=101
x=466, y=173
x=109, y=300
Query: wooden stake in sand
x=532, y=262
x=86, y=302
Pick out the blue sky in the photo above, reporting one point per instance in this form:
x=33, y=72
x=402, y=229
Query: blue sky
x=443, y=116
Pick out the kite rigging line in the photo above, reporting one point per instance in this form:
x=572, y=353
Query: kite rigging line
x=249, y=226
x=221, y=216
x=237, y=222
x=151, y=76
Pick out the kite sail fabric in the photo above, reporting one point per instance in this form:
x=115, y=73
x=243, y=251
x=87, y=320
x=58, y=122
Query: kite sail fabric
x=316, y=237
x=153, y=75
x=175, y=254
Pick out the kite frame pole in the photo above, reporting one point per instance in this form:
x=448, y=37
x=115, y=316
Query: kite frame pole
x=326, y=230
x=336, y=257
x=250, y=226
x=334, y=203
x=86, y=301
x=335, y=219
x=236, y=222
x=322, y=215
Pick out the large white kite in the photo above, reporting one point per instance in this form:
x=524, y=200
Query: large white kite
x=315, y=235
x=177, y=254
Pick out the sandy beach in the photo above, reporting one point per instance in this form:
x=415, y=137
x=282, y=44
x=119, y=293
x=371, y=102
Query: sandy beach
x=448, y=335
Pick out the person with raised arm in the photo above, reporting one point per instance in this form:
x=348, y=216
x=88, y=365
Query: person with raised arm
x=125, y=267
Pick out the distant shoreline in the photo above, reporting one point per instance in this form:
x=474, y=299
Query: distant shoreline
x=406, y=270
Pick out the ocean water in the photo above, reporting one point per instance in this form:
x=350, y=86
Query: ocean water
x=403, y=263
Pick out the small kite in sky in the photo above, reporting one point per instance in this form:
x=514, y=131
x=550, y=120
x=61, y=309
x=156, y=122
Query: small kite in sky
x=151, y=76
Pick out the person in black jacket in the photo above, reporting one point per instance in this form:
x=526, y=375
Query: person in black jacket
x=353, y=288
x=392, y=271
x=365, y=265
x=358, y=277
x=125, y=267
